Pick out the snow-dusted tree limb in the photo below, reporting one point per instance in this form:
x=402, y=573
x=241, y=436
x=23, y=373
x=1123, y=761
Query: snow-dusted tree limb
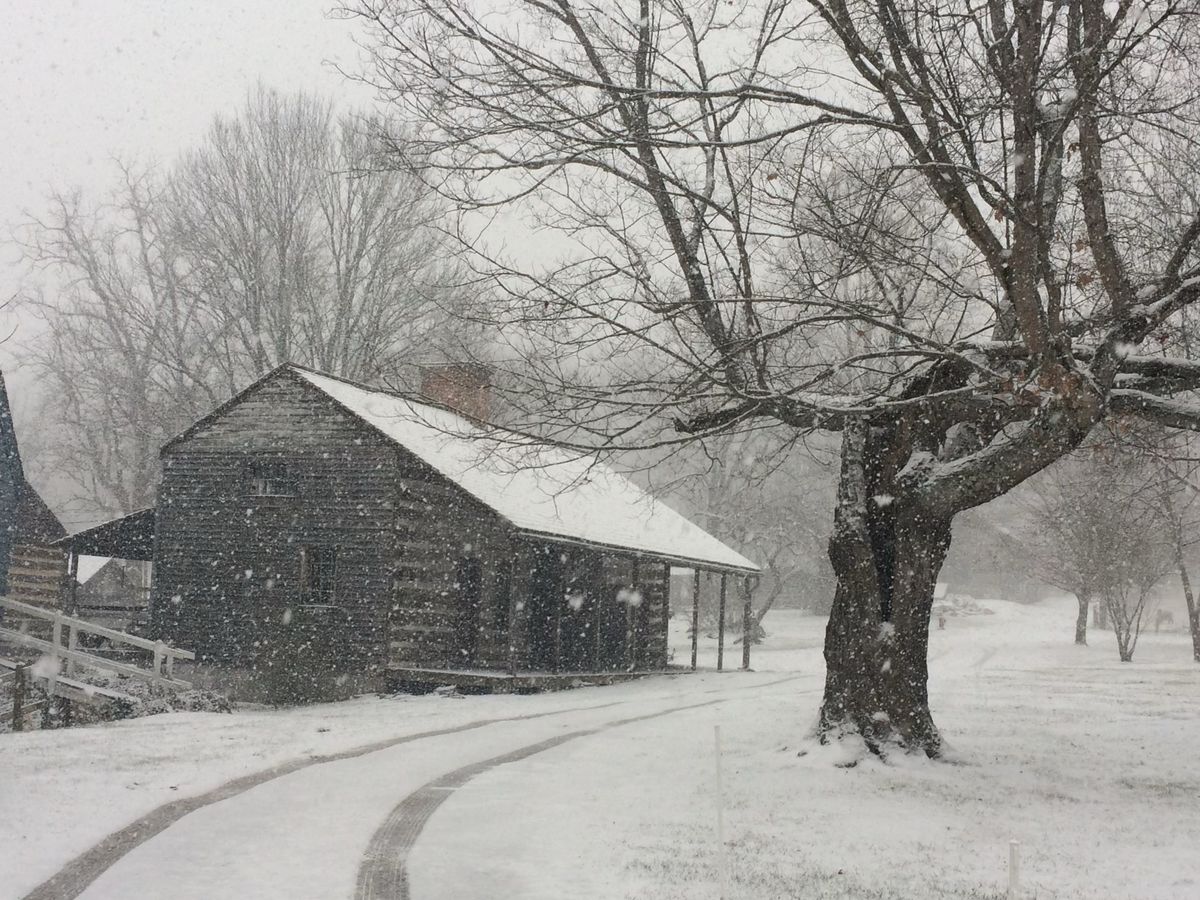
x=1168, y=412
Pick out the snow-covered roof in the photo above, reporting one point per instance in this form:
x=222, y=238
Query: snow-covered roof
x=540, y=489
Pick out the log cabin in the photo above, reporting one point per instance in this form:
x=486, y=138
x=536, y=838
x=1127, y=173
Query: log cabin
x=420, y=545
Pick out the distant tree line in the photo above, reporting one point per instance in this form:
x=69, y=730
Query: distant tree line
x=283, y=235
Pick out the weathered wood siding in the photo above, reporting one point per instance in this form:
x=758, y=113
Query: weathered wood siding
x=646, y=578
x=37, y=574
x=438, y=527
x=227, y=562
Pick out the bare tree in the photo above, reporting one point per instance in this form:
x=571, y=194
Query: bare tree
x=278, y=239
x=744, y=196
x=1178, y=497
x=1101, y=530
x=122, y=355
x=303, y=247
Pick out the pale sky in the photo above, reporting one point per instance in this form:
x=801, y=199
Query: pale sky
x=85, y=81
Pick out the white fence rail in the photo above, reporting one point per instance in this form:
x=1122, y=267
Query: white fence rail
x=161, y=673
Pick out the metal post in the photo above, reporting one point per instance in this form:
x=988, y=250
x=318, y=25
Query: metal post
x=1014, y=869
x=747, y=622
x=695, y=617
x=721, y=623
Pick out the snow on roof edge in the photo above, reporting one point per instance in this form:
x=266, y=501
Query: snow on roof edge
x=609, y=509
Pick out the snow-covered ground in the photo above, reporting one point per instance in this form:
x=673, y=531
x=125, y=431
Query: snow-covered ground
x=1091, y=764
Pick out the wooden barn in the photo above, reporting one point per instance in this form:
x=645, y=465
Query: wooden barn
x=418, y=546
x=32, y=569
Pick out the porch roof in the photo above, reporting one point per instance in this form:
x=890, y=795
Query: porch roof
x=129, y=537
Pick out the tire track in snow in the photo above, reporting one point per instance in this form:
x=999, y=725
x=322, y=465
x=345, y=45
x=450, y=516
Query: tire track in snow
x=383, y=873
x=76, y=876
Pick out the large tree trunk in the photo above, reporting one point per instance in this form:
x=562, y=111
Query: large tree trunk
x=1085, y=600
x=886, y=556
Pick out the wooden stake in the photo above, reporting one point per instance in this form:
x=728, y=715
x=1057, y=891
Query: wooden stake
x=721, y=623
x=1014, y=869
x=722, y=861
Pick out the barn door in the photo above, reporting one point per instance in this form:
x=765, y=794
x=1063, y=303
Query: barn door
x=470, y=604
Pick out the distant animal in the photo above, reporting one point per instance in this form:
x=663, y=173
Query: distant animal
x=1163, y=617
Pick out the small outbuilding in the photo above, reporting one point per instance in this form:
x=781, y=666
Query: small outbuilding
x=420, y=545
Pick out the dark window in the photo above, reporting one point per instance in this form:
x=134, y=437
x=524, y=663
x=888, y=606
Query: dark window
x=271, y=478
x=318, y=570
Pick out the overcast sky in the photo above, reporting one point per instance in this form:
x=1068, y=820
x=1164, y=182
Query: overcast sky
x=82, y=82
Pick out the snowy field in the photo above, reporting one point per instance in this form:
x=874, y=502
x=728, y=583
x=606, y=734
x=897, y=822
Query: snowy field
x=1091, y=764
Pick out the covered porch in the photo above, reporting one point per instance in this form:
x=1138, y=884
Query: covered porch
x=588, y=614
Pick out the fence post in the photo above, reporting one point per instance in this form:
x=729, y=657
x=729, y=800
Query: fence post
x=159, y=653
x=55, y=655
x=72, y=645
x=19, y=699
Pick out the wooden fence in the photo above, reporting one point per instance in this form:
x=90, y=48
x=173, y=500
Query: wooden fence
x=61, y=655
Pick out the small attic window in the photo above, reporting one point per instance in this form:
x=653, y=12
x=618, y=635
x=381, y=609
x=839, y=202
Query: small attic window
x=270, y=478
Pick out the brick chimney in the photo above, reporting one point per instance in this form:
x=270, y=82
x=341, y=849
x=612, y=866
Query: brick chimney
x=464, y=387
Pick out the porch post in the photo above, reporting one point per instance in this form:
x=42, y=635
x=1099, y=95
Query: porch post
x=636, y=613
x=721, y=623
x=595, y=587
x=666, y=618
x=747, y=621
x=695, y=615
x=559, y=600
